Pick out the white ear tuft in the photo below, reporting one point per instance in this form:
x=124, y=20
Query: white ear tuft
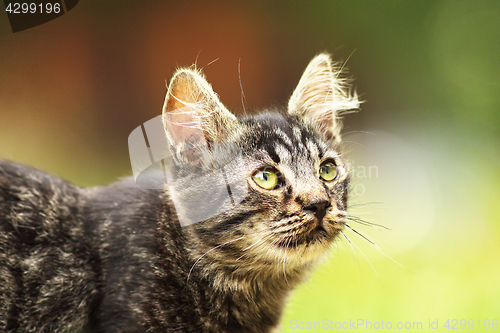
x=322, y=96
x=193, y=113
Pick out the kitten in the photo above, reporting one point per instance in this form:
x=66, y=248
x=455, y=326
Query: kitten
x=116, y=258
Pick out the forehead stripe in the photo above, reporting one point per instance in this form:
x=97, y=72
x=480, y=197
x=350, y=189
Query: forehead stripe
x=283, y=136
x=283, y=153
x=298, y=133
x=312, y=147
x=273, y=154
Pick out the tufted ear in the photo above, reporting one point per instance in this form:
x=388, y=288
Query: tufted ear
x=193, y=114
x=322, y=96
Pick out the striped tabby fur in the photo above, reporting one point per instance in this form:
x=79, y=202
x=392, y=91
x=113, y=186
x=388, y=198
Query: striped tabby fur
x=115, y=258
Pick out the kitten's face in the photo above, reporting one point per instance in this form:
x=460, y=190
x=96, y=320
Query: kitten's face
x=295, y=181
x=299, y=181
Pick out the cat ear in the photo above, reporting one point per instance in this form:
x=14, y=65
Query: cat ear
x=322, y=96
x=193, y=113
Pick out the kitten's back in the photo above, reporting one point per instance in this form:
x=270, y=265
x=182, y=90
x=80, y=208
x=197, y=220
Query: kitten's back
x=47, y=278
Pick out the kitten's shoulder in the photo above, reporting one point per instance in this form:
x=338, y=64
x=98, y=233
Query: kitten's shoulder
x=14, y=175
x=30, y=198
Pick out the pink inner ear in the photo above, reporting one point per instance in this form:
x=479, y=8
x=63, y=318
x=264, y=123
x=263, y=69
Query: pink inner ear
x=185, y=127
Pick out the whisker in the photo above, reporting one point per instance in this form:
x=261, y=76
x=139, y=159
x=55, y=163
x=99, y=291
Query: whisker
x=366, y=238
x=355, y=132
x=364, y=222
x=375, y=246
x=274, y=246
x=352, y=248
x=216, y=247
x=368, y=260
x=284, y=261
x=220, y=245
x=248, y=247
x=244, y=254
x=388, y=256
x=365, y=204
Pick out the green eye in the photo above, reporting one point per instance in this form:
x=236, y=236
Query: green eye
x=266, y=179
x=328, y=171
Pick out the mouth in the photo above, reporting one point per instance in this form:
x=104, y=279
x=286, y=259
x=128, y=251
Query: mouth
x=318, y=231
x=321, y=232
x=311, y=232
x=317, y=235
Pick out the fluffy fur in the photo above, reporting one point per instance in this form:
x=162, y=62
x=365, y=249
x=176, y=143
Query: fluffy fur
x=116, y=259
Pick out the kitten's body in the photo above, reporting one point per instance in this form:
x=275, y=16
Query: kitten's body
x=116, y=259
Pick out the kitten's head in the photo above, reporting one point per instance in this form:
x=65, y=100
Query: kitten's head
x=287, y=164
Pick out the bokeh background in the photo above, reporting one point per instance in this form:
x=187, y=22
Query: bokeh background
x=424, y=148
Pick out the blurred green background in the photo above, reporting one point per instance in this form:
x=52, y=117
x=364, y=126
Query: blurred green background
x=424, y=148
